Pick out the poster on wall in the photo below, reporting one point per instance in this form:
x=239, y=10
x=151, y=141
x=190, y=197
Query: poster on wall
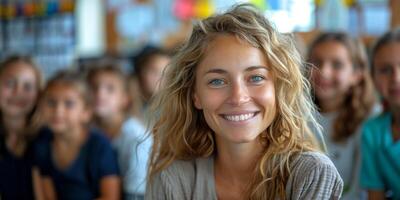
x=166, y=23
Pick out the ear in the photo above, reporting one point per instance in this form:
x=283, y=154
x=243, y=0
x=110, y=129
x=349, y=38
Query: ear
x=196, y=101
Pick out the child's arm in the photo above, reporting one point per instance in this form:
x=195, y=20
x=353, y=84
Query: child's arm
x=43, y=186
x=110, y=188
x=376, y=195
x=37, y=187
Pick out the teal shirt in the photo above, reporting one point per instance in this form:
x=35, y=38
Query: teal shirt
x=380, y=168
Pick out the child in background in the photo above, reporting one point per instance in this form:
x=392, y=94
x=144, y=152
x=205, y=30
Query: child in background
x=113, y=113
x=380, y=146
x=149, y=65
x=19, y=88
x=343, y=92
x=75, y=162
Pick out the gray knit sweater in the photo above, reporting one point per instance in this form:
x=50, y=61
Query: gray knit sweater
x=313, y=176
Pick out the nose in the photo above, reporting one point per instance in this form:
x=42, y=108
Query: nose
x=239, y=93
x=18, y=89
x=396, y=74
x=325, y=70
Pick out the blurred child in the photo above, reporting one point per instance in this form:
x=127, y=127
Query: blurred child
x=113, y=113
x=149, y=65
x=344, y=94
x=19, y=88
x=75, y=162
x=380, y=168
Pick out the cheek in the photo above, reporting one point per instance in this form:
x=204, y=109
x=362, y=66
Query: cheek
x=266, y=99
x=382, y=86
x=212, y=100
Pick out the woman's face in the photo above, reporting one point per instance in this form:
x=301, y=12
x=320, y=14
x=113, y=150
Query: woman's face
x=334, y=73
x=235, y=90
x=18, y=90
x=387, y=73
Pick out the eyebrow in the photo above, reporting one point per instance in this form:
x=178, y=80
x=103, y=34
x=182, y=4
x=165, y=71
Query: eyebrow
x=251, y=68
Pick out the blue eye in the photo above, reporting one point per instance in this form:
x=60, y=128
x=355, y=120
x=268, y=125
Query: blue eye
x=216, y=82
x=256, y=79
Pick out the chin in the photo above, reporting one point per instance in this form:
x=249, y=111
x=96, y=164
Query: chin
x=240, y=139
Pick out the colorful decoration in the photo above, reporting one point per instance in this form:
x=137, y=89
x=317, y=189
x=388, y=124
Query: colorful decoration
x=203, y=9
x=261, y=4
x=184, y=9
x=30, y=8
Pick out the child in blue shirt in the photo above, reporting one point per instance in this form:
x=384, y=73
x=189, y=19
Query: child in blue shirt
x=75, y=162
x=380, y=170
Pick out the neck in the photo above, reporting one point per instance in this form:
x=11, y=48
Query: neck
x=111, y=125
x=14, y=129
x=14, y=125
x=236, y=162
x=72, y=137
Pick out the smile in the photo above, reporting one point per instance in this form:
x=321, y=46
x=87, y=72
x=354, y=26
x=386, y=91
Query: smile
x=238, y=118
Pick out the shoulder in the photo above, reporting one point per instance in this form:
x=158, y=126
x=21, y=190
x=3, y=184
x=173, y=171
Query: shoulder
x=41, y=144
x=307, y=161
x=133, y=127
x=179, y=180
x=97, y=141
x=377, y=122
x=314, y=176
x=180, y=171
x=374, y=127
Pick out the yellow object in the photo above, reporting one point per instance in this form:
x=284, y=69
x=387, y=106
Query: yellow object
x=349, y=3
x=319, y=2
x=259, y=4
x=203, y=9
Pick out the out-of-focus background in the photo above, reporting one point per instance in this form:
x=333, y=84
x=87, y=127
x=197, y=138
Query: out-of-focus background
x=59, y=33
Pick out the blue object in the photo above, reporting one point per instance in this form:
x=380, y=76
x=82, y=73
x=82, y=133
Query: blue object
x=15, y=174
x=82, y=179
x=380, y=169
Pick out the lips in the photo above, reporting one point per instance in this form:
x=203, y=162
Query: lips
x=239, y=117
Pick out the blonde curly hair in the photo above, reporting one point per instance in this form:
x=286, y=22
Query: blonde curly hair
x=180, y=131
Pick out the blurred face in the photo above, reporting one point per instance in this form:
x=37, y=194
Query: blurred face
x=235, y=90
x=151, y=74
x=110, y=96
x=387, y=73
x=64, y=109
x=18, y=90
x=334, y=73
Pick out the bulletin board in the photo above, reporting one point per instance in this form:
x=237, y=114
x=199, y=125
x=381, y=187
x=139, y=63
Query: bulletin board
x=44, y=30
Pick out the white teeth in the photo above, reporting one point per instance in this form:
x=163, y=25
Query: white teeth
x=237, y=118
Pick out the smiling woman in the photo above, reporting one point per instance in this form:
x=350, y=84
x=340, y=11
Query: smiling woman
x=233, y=117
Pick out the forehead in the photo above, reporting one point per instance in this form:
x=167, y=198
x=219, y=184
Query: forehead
x=228, y=51
x=389, y=53
x=107, y=76
x=64, y=90
x=19, y=69
x=330, y=48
